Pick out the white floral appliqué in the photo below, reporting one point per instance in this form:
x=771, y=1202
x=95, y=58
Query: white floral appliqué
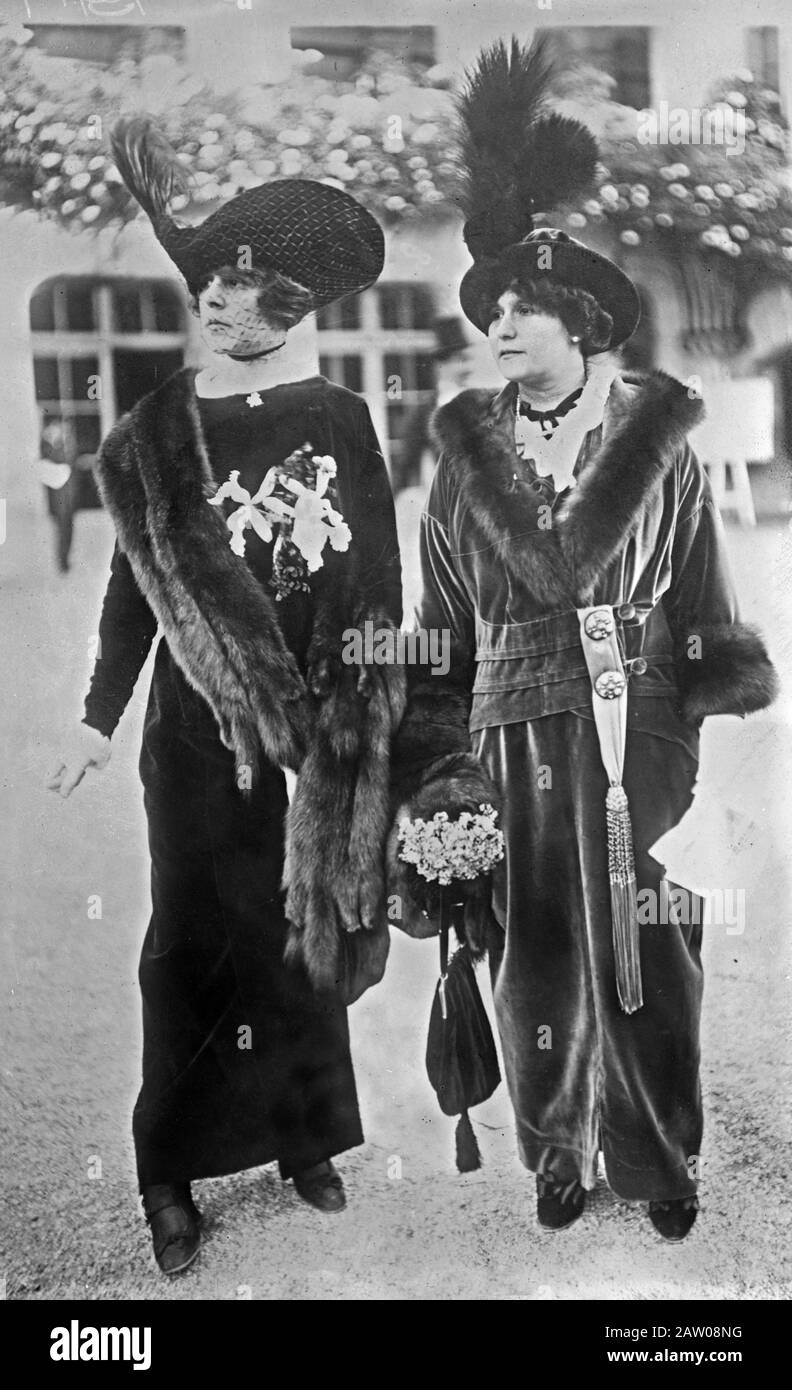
x=315, y=519
x=261, y=511
x=311, y=520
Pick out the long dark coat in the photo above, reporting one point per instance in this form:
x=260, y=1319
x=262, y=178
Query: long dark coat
x=504, y=574
x=245, y=1056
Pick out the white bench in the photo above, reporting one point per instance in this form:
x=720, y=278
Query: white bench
x=739, y=425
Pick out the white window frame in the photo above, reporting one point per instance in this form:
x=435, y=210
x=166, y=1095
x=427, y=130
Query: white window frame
x=65, y=344
x=371, y=343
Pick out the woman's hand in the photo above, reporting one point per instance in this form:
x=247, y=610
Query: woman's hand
x=85, y=747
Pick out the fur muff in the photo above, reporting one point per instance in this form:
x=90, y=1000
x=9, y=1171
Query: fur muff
x=454, y=783
x=724, y=669
x=434, y=770
x=429, y=733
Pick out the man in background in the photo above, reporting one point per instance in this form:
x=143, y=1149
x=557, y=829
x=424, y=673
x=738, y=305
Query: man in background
x=60, y=480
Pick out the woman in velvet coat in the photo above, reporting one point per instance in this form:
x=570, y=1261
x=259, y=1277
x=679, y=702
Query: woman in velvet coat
x=569, y=517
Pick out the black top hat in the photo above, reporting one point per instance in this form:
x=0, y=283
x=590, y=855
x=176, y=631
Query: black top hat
x=315, y=234
x=450, y=337
x=519, y=161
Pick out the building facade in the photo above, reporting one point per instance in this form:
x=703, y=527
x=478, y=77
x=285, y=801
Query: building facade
x=92, y=321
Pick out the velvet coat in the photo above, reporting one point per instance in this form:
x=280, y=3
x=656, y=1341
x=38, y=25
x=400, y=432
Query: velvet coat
x=504, y=570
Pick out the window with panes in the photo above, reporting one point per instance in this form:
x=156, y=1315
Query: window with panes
x=100, y=344
x=343, y=47
x=381, y=344
x=103, y=44
x=763, y=55
x=622, y=51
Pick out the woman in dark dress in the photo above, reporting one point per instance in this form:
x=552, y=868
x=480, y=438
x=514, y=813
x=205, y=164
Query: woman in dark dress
x=255, y=525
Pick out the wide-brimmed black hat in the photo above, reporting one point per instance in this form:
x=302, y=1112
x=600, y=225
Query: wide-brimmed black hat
x=312, y=232
x=550, y=254
x=520, y=160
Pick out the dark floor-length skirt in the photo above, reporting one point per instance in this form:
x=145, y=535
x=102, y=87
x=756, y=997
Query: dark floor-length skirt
x=583, y=1076
x=243, y=1063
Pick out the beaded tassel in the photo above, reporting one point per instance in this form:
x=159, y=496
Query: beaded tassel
x=624, y=900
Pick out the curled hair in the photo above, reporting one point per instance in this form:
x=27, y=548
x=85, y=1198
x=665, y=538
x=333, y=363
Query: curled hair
x=281, y=301
x=580, y=313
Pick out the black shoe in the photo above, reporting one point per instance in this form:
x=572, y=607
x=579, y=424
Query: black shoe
x=674, y=1220
x=558, y=1204
x=321, y=1186
x=173, y=1218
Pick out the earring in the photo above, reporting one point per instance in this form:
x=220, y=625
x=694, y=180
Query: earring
x=575, y=338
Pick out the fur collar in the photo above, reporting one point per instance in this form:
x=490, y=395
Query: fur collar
x=644, y=429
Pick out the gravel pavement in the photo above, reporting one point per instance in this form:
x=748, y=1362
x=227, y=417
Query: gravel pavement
x=414, y=1228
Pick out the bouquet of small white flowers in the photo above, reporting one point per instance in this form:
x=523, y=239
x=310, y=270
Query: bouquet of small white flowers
x=444, y=850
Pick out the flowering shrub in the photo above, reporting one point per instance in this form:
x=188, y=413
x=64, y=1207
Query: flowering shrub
x=444, y=850
x=697, y=196
x=385, y=135
x=389, y=136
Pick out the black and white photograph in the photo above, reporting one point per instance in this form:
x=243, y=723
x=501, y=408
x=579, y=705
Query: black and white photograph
x=396, y=556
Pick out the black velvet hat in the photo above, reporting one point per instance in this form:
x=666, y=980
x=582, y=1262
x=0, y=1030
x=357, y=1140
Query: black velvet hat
x=569, y=263
x=520, y=161
x=315, y=234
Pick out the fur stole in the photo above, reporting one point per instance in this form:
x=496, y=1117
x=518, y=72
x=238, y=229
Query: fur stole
x=222, y=629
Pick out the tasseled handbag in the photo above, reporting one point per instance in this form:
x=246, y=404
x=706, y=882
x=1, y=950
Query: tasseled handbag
x=461, y=1059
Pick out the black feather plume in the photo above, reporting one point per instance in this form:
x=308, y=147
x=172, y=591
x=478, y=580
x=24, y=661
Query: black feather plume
x=503, y=97
x=148, y=165
x=518, y=158
x=563, y=158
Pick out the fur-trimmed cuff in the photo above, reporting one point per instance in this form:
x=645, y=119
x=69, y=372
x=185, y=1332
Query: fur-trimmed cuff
x=454, y=784
x=724, y=670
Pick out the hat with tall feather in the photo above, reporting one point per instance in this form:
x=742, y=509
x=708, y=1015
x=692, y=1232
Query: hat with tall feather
x=312, y=232
x=520, y=160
